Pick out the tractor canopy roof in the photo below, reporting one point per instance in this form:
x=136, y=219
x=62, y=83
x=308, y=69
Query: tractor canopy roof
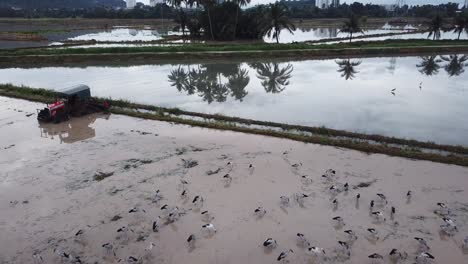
x=80, y=90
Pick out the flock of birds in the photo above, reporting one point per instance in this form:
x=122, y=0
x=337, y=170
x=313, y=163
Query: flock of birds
x=379, y=209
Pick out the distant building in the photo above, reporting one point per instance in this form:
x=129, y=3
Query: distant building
x=131, y=4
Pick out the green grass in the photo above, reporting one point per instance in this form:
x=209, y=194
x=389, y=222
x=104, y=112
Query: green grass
x=320, y=135
x=237, y=47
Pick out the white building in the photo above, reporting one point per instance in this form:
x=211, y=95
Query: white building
x=131, y=4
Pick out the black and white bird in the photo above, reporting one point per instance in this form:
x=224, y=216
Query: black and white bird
x=62, y=254
x=465, y=243
x=358, y=196
x=378, y=216
x=284, y=201
x=317, y=252
x=372, y=203
x=259, y=212
x=338, y=221
x=209, y=229
x=184, y=194
x=136, y=210
x=443, y=209
x=383, y=198
x=284, y=255
x=296, y=165
x=344, y=249
x=409, y=194
x=351, y=235
x=270, y=243
x=37, y=258
x=376, y=257
x=300, y=198
x=329, y=174
x=157, y=197
x=306, y=179
x=206, y=216
x=422, y=244
x=346, y=187
x=373, y=233
x=227, y=179
x=191, y=241
x=335, y=203
x=450, y=228
x=79, y=233
x=302, y=240
x=393, y=210
x=424, y=258
x=396, y=256
x=109, y=248
x=197, y=202
x=132, y=260
x=156, y=226
x=174, y=215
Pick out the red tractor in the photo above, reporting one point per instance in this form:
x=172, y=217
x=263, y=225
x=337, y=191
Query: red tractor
x=73, y=101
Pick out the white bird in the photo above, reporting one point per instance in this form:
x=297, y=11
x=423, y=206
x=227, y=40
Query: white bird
x=424, y=258
x=346, y=187
x=157, y=196
x=422, y=244
x=376, y=257
x=209, y=229
x=109, y=248
x=227, y=179
x=259, y=212
x=443, y=209
x=37, y=258
x=300, y=198
x=284, y=255
x=206, y=216
x=316, y=252
x=335, y=203
x=329, y=174
x=383, y=198
x=184, y=194
x=284, y=201
x=338, y=221
x=373, y=233
x=378, y=216
x=270, y=243
x=345, y=250
x=465, y=243
x=191, y=240
x=173, y=215
x=132, y=260
x=197, y=201
x=302, y=240
x=397, y=256
x=306, y=179
x=351, y=235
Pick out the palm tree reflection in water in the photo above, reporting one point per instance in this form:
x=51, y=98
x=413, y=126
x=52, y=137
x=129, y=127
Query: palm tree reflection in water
x=215, y=82
x=347, y=68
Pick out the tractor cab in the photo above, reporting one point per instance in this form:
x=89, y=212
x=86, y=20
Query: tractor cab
x=73, y=101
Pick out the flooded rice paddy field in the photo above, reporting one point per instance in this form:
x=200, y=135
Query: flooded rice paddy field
x=393, y=96
x=89, y=173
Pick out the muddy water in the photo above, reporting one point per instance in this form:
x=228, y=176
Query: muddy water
x=48, y=193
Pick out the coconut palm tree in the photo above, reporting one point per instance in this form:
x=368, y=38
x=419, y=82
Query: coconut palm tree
x=237, y=83
x=460, y=24
x=277, y=20
x=274, y=79
x=429, y=65
x=352, y=25
x=178, y=78
x=239, y=3
x=347, y=68
x=435, y=26
x=207, y=4
x=455, y=64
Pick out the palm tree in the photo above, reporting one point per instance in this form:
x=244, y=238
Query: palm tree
x=274, y=79
x=277, y=20
x=239, y=3
x=178, y=78
x=237, y=83
x=455, y=64
x=429, y=65
x=435, y=26
x=352, y=25
x=460, y=24
x=207, y=4
x=347, y=68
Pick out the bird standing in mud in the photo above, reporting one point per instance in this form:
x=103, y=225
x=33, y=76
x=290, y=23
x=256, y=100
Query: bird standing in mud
x=378, y=216
x=284, y=201
x=259, y=212
x=269, y=243
x=351, y=235
x=376, y=258
x=197, y=202
x=206, y=216
x=317, y=252
x=227, y=179
x=338, y=221
x=302, y=241
x=283, y=257
x=373, y=233
x=422, y=244
x=344, y=249
x=109, y=248
x=424, y=258
x=397, y=256
x=157, y=197
x=191, y=241
x=209, y=229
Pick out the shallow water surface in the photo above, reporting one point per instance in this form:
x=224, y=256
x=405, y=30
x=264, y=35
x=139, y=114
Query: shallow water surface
x=420, y=98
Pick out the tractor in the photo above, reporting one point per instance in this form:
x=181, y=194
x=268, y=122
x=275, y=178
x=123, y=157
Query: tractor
x=73, y=101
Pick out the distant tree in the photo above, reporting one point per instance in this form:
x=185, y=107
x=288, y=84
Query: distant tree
x=277, y=20
x=435, y=26
x=460, y=24
x=455, y=64
x=347, y=68
x=274, y=79
x=239, y=3
x=429, y=65
x=352, y=25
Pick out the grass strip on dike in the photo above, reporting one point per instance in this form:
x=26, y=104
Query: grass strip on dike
x=239, y=47
x=320, y=135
